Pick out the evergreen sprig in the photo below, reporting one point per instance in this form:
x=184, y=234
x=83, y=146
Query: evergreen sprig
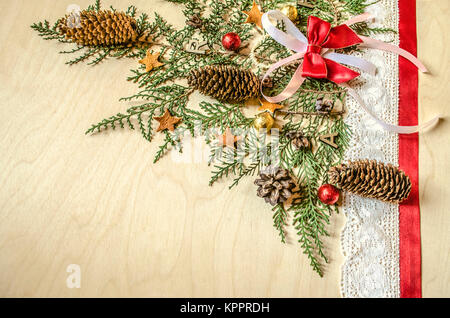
x=93, y=55
x=255, y=151
x=280, y=221
x=163, y=89
x=48, y=32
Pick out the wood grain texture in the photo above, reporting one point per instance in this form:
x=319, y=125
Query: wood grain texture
x=434, y=154
x=143, y=230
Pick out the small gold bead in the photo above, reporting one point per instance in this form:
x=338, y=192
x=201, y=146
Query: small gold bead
x=264, y=121
x=291, y=12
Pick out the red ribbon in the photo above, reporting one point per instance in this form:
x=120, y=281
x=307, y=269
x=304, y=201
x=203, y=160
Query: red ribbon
x=322, y=36
x=319, y=60
x=408, y=114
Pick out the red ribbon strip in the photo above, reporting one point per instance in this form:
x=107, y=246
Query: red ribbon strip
x=409, y=217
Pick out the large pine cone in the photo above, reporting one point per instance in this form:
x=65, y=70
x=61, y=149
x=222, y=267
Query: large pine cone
x=225, y=83
x=373, y=180
x=101, y=28
x=275, y=187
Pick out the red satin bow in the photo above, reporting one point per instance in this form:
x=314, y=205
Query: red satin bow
x=322, y=35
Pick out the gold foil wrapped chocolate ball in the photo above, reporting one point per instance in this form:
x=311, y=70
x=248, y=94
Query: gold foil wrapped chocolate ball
x=264, y=121
x=291, y=12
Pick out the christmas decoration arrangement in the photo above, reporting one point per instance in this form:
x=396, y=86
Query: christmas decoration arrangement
x=250, y=58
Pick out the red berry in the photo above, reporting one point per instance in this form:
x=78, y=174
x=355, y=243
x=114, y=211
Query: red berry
x=231, y=41
x=328, y=194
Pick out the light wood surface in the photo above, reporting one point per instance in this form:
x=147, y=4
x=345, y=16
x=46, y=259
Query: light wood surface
x=434, y=154
x=143, y=230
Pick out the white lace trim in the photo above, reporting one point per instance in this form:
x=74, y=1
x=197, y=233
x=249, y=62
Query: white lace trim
x=370, y=239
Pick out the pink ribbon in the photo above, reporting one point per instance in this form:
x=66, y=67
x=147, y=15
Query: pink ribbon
x=297, y=42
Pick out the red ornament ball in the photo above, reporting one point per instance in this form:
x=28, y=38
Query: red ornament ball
x=328, y=194
x=231, y=41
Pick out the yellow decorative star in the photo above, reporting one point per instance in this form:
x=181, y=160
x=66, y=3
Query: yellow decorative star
x=254, y=15
x=151, y=61
x=227, y=139
x=167, y=121
x=265, y=105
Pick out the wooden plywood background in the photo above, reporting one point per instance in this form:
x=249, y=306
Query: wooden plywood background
x=143, y=230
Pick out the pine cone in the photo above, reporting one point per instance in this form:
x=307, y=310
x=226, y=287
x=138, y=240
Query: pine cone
x=298, y=139
x=195, y=21
x=324, y=105
x=225, y=83
x=373, y=180
x=267, y=82
x=275, y=187
x=100, y=28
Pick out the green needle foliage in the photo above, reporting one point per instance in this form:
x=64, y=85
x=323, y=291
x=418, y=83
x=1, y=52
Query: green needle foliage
x=280, y=221
x=95, y=54
x=159, y=90
x=165, y=88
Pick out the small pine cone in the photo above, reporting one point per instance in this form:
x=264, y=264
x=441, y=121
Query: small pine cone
x=101, y=28
x=373, y=180
x=275, y=187
x=298, y=139
x=267, y=82
x=324, y=105
x=225, y=83
x=195, y=21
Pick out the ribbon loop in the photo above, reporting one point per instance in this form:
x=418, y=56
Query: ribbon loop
x=295, y=83
x=320, y=61
x=341, y=37
x=352, y=61
x=386, y=126
x=293, y=39
x=380, y=45
x=318, y=31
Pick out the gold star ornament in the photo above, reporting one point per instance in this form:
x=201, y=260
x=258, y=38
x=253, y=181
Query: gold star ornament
x=265, y=105
x=167, y=121
x=151, y=61
x=254, y=15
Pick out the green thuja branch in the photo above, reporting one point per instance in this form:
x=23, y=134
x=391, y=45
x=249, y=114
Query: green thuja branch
x=168, y=141
x=95, y=54
x=164, y=89
x=220, y=115
x=280, y=221
x=48, y=32
x=363, y=28
x=228, y=164
x=175, y=103
x=310, y=215
x=95, y=7
x=355, y=7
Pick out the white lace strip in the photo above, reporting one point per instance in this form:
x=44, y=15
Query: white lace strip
x=370, y=239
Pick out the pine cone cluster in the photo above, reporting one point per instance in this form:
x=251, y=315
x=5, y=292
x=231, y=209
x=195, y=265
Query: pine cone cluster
x=298, y=140
x=373, y=180
x=275, y=187
x=100, y=28
x=225, y=83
